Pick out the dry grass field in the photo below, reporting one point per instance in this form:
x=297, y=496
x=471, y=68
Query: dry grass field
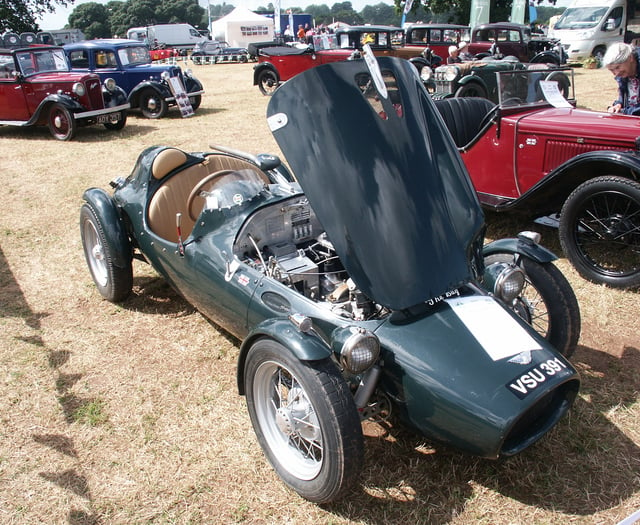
x=129, y=414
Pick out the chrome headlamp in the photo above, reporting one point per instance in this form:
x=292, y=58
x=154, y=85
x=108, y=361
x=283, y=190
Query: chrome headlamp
x=449, y=73
x=360, y=351
x=188, y=72
x=110, y=84
x=426, y=73
x=78, y=89
x=505, y=280
x=165, y=75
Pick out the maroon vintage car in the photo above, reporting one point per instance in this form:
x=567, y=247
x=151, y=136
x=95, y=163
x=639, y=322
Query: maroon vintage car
x=438, y=37
x=280, y=63
x=536, y=154
x=38, y=88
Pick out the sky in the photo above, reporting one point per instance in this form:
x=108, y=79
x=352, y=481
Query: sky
x=59, y=19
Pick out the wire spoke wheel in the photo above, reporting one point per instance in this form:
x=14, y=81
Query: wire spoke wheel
x=600, y=231
x=305, y=420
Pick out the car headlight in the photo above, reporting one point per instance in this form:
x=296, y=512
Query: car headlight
x=505, y=280
x=110, y=84
x=188, y=72
x=78, y=89
x=449, y=73
x=360, y=351
x=426, y=73
x=165, y=75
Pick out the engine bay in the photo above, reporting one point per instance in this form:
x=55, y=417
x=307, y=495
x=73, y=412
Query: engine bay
x=287, y=243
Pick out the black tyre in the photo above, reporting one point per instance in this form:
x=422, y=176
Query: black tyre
x=600, y=231
x=305, y=420
x=113, y=283
x=195, y=101
x=471, y=90
x=119, y=124
x=547, y=302
x=62, y=125
x=267, y=82
x=152, y=104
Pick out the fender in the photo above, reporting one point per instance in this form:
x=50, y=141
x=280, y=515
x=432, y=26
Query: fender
x=112, y=223
x=257, y=69
x=546, y=56
x=549, y=193
x=161, y=88
x=114, y=98
x=306, y=347
x=529, y=249
x=43, y=107
x=192, y=85
x=419, y=63
x=473, y=79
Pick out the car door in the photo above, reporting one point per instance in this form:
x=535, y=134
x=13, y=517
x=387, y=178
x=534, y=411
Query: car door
x=13, y=102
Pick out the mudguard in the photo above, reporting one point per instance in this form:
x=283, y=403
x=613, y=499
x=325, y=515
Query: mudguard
x=162, y=89
x=304, y=346
x=549, y=193
x=549, y=57
x=68, y=102
x=114, y=98
x=259, y=68
x=526, y=248
x=112, y=224
x=192, y=85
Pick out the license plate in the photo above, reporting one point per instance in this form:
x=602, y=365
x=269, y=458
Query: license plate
x=111, y=117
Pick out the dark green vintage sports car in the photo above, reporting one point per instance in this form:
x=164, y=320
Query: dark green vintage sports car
x=361, y=296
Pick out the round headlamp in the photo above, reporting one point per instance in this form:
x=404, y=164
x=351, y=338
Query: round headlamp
x=78, y=89
x=507, y=280
x=188, y=72
x=165, y=75
x=110, y=84
x=450, y=73
x=360, y=351
x=426, y=73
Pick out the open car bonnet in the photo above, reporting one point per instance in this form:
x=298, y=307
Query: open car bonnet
x=384, y=177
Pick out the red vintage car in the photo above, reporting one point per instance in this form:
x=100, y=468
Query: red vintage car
x=281, y=63
x=536, y=154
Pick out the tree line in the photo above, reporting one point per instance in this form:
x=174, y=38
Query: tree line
x=97, y=20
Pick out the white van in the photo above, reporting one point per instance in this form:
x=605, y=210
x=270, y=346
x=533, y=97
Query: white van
x=589, y=27
x=177, y=36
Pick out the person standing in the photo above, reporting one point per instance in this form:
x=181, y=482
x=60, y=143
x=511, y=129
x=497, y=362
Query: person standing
x=622, y=60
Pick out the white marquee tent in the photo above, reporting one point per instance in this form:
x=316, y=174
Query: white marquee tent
x=242, y=27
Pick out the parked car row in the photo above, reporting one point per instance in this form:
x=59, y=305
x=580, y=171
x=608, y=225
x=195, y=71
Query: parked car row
x=90, y=82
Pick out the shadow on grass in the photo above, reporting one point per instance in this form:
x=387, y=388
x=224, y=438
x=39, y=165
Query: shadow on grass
x=584, y=466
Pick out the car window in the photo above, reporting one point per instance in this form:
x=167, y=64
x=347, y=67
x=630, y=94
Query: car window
x=134, y=55
x=514, y=36
x=79, y=59
x=436, y=35
x=40, y=61
x=105, y=59
x=7, y=67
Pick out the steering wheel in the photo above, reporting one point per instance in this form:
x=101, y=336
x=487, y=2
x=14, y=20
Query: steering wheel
x=198, y=188
x=513, y=101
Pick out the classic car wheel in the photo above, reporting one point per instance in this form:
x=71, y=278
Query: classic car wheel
x=119, y=124
x=471, y=90
x=152, y=104
x=305, y=420
x=195, y=101
x=113, y=283
x=547, y=302
x=267, y=82
x=600, y=231
x=62, y=125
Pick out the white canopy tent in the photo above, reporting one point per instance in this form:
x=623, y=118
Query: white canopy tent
x=242, y=27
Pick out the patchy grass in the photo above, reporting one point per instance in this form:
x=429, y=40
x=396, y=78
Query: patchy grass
x=129, y=413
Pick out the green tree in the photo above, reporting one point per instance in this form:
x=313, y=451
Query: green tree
x=92, y=19
x=20, y=15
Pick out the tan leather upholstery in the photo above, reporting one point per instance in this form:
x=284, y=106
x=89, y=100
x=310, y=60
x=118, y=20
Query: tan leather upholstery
x=171, y=197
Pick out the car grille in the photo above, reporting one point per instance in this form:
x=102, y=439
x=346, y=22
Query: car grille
x=444, y=87
x=558, y=151
x=94, y=93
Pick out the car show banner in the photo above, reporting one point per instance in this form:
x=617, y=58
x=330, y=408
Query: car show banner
x=479, y=13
